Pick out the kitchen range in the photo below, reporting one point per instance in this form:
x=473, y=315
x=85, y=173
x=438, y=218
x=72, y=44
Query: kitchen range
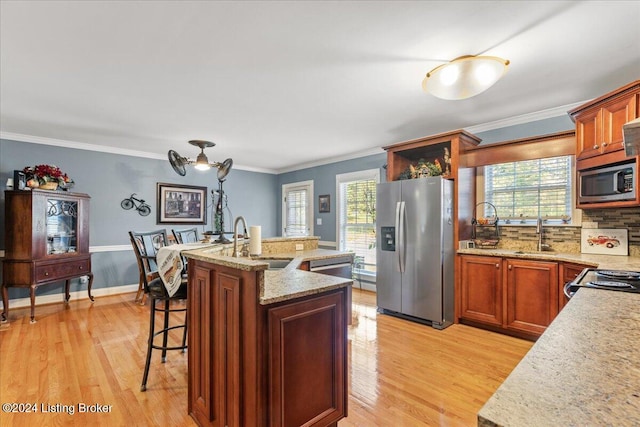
x=612, y=280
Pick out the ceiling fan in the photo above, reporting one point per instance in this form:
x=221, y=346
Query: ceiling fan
x=201, y=162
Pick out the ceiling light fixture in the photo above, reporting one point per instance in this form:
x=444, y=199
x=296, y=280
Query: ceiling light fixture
x=464, y=77
x=201, y=162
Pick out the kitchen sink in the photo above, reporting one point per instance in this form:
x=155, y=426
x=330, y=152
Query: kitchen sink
x=534, y=252
x=275, y=264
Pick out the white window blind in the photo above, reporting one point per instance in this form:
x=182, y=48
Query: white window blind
x=296, y=202
x=357, y=217
x=523, y=191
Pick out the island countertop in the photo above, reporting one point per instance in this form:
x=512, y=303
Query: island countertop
x=281, y=284
x=584, y=370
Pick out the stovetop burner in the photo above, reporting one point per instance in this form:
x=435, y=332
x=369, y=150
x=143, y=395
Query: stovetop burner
x=623, y=275
x=611, y=280
x=609, y=284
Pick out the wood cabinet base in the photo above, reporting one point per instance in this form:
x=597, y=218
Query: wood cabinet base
x=283, y=364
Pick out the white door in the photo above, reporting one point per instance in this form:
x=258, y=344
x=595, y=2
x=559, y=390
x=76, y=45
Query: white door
x=297, y=209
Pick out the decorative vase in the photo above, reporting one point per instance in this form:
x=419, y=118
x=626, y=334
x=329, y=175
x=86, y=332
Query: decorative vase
x=49, y=186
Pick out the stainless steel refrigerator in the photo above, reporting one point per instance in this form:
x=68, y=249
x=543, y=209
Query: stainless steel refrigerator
x=415, y=250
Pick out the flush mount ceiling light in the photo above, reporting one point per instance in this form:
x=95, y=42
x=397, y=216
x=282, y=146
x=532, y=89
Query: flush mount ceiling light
x=464, y=77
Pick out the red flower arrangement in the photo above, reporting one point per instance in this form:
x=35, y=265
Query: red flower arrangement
x=43, y=174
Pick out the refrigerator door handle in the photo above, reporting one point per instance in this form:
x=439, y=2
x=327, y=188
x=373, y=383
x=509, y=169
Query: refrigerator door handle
x=397, y=236
x=401, y=240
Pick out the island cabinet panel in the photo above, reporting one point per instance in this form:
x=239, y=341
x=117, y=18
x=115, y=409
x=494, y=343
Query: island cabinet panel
x=255, y=365
x=307, y=369
x=201, y=393
x=481, y=289
x=532, y=295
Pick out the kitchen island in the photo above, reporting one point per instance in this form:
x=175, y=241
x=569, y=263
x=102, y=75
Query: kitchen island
x=584, y=370
x=266, y=346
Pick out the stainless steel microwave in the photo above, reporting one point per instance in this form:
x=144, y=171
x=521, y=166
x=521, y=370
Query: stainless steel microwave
x=607, y=184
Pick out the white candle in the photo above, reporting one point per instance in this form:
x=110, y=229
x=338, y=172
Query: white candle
x=255, y=240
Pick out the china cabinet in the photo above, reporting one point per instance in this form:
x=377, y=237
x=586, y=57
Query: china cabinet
x=46, y=241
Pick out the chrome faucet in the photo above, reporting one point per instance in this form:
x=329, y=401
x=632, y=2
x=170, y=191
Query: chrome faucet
x=235, y=235
x=539, y=233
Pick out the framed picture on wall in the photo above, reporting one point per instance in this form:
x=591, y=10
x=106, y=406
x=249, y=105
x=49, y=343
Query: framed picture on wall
x=181, y=204
x=19, y=180
x=604, y=241
x=324, y=201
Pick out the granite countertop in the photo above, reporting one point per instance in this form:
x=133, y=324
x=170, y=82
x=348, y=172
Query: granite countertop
x=612, y=262
x=279, y=284
x=584, y=370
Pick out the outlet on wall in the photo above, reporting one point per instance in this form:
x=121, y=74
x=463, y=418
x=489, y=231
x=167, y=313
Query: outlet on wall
x=299, y=246
x=84, y=280
x=589, y=224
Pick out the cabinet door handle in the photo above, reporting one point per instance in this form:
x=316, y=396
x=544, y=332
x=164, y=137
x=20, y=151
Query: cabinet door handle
x=604, y=144
x=509, y=266
x=46, y=273
x=595, y=147
x=497, y=265
x=80, y=268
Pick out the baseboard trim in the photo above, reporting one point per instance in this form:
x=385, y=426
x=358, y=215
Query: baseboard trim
x=75, y=295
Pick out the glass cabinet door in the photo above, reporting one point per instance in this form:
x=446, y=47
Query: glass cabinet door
x=62, y=224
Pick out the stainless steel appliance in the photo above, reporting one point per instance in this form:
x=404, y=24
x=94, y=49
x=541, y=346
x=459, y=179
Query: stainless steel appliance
x=607, y=184
x=415, y=250
x=612, y=280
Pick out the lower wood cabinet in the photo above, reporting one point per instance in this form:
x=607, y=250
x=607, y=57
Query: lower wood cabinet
x=531, y=295
x=481, y=290
x=568, y=272
x=513, y=295
x=283, y=364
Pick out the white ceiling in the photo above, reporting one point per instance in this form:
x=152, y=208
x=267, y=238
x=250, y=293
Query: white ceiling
x=278, y=84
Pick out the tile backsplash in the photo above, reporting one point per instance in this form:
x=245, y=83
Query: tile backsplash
x=567, y=239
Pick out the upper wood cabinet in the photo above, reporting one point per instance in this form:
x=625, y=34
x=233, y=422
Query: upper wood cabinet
x=429, y=148
x=599, y=125
x=403, y=154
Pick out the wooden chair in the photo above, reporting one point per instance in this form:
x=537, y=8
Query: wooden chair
x=146, y=246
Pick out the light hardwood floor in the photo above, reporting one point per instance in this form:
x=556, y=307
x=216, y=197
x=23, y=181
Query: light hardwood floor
x=400, y=373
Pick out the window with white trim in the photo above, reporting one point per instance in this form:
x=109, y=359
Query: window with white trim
x=356, y=220
x=525, y=190
x=297, y=209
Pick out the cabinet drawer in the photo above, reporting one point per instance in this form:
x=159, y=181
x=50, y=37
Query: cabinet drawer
x=62, y=270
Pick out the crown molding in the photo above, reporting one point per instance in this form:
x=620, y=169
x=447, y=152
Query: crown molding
x=329, y=160
x=524, y=118
x=105, y=149
x=497, y=124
